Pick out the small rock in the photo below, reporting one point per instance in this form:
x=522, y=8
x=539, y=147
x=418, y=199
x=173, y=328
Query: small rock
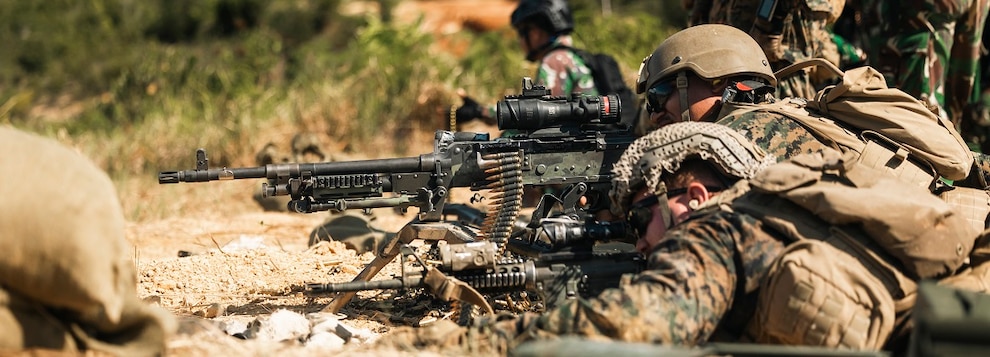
x=325, y=340
x=327, y=323
x=234, y=327
x=282, y=325
x=214, y=310
x=349, y=333
x=153, y=300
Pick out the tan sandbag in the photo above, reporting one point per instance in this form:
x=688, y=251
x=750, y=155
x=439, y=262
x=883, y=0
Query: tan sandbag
x=141, y=331
x=61, y=229
x=65, y=255
x=863, y=101
x=26, y=324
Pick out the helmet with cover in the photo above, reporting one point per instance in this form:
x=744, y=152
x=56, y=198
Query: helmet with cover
x=711, y=51
x=661, y=152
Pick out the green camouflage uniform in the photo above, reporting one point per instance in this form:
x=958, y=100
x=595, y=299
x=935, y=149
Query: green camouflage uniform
x=563, y=72
x=927, y=48
x=802, y=32
x=700, y=284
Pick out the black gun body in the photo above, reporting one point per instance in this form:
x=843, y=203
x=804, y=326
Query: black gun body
x=555, y=276
x=464, y=162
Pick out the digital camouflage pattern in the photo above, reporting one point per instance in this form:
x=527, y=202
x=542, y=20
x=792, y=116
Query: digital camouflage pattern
x=928, y=48
x=563, y=72
x=700, y=285
x=776, y=133
x=797, y=32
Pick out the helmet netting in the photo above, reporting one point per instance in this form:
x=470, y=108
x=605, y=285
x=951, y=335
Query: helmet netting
x=662, y=151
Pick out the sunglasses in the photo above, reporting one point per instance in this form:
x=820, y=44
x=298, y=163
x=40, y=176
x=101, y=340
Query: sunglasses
x=641, y=213
x=656, y=96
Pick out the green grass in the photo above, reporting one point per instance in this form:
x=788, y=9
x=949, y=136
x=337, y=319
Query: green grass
x=138, y=85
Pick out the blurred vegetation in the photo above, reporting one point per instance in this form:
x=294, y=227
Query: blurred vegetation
x=137, y=85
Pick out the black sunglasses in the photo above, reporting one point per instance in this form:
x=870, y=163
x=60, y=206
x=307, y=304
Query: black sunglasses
x=656, y=96
x=641, y=213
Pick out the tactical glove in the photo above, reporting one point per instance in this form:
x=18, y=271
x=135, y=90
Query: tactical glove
x=469, y=111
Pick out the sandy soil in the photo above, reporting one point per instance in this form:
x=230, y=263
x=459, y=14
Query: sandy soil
x=209, y=267
x=213, y=256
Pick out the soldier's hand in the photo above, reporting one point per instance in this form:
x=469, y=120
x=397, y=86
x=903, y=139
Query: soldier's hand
x=469, y=111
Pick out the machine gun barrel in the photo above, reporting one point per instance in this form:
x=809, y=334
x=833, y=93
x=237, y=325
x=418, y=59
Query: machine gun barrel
x=274, y=171
x=390, y=284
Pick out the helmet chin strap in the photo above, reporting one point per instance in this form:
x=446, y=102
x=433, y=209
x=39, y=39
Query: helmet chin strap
x=682, y=84
x=665, y=213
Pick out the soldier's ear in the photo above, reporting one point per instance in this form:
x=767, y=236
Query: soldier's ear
x=698, y=192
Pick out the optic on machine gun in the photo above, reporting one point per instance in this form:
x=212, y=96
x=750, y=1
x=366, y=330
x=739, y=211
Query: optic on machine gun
x=535, y=108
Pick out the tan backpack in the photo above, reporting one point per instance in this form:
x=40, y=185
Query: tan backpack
x=859, y=241
x=861, y=112
x=888, y=130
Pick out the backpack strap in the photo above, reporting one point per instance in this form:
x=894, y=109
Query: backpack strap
x=811, y=62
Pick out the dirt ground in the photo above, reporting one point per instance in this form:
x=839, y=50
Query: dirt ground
x=209, y=269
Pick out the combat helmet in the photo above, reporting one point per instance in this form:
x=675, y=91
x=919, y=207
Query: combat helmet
x=554, y=16
x=711, y=51
x=662, y=151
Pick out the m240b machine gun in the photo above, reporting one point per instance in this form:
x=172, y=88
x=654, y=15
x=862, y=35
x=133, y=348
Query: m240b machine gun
x=571, y=141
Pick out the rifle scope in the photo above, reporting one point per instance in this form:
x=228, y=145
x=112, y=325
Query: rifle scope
x=536, y=109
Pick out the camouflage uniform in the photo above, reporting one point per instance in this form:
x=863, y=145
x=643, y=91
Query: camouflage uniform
x=776, y=133
x=784, y=138
x=705, y=270
x=563, y=72
x=928, y=48
x=798, y=34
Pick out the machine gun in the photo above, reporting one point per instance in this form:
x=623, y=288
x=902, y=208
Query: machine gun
x=562, y=141
x=562, y=261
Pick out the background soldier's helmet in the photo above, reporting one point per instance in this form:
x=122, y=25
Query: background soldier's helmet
x=711, y=51
x=662, y=151
x=554, y=16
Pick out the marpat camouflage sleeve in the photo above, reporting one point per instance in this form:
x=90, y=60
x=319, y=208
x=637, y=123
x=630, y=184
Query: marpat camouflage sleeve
x=695, y=276
x=775, y=133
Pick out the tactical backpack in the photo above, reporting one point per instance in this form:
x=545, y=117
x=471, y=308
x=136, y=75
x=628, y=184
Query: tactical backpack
x=859, y=240
x=609, y=80
x=888, y=129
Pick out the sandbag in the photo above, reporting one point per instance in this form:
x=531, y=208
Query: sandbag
x=27, y=324
x=61, y=229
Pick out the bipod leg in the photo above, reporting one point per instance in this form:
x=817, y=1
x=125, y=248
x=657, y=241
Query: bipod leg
x=433, y=231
